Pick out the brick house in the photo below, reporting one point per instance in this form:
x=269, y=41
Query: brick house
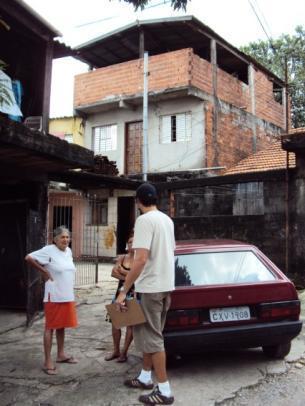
x=209, y=105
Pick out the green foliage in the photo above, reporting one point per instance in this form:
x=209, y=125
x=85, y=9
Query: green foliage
x=182, y=276
x=290, y=48
x=176, y=4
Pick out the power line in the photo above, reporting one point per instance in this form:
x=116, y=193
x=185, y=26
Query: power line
x=259, y=20
x=263, y=16
x=119, y=15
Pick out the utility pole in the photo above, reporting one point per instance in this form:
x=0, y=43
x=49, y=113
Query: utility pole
x=145, y=116
x=287, y=225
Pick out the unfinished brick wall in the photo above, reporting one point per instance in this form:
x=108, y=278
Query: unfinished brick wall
x=170, y=70
x=239, y=134
x=173, y=70
x=265, y=105
x=232, y=132
x=233, y=91
x=201, y=74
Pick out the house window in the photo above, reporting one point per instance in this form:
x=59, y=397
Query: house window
x=98, y=212
x=104, y=138
x=175, y=128
x=69, y=138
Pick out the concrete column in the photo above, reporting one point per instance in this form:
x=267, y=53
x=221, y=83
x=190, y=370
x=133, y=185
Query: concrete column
x=215, y=102
x=251, y=76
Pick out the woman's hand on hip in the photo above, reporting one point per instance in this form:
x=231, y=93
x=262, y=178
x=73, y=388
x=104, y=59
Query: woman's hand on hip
x=46, y=276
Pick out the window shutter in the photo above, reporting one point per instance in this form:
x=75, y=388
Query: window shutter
x=183, y=122
x=96, y=140
x=104, y=138
x=166, y=129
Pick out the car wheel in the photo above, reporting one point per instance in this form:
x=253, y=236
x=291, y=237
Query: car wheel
x=277, y=351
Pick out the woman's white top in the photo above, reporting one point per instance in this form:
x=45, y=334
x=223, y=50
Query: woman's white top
x=62, y=269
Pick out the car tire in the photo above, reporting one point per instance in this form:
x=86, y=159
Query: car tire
x=278, y=351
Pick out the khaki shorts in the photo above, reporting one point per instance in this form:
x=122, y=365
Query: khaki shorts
x=148, y=336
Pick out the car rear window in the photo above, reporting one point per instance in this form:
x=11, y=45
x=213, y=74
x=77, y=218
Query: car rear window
x=220, y=268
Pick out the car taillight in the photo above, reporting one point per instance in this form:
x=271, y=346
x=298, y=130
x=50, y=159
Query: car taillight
x=182, y=318
x=277, y=310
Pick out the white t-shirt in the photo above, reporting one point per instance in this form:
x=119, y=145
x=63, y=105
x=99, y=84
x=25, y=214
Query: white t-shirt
x=61, y=267
x=154, y=231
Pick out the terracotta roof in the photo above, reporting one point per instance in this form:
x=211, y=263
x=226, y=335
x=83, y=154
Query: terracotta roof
x=271, y=158
x=299, y=130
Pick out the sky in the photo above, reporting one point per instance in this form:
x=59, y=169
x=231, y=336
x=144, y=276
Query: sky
x=80, y=21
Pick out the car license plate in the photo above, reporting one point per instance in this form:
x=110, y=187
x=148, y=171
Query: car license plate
x=229, y=314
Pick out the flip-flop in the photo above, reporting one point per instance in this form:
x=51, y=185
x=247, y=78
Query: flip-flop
x=50, y=371
x=111, y=357
x=122, y=359
x=69, y=360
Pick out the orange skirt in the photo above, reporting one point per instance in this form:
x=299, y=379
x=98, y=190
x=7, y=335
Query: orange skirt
x=60, y=315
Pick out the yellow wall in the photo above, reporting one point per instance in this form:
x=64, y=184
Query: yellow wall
x=68, y=125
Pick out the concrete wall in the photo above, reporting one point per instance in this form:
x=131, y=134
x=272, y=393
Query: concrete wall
x=255, y=214
x=68, y=125
x=161, y=157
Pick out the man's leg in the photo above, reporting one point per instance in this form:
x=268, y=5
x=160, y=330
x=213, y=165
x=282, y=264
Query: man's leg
x=143, y=380
x=159, y=365
x=147, y=361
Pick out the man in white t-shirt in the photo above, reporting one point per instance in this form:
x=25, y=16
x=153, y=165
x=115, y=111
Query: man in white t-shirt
x=153, y=273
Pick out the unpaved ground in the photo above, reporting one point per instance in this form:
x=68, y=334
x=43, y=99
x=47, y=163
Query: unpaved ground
x=287, y=389
x=238, y=378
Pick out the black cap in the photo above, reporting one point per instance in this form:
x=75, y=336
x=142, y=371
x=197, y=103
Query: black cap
x=146, y=191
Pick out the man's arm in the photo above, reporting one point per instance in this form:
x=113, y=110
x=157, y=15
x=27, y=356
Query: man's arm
x=140, y=259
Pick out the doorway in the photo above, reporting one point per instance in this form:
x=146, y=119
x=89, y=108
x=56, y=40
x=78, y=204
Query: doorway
x=126, y=219
x=13, y=278
x=133, y=148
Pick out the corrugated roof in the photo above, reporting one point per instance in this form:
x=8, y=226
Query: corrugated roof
x=163, y=35
x=38, y=17
x=271, y=158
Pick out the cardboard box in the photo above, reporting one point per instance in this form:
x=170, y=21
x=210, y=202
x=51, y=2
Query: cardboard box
x=132, y=316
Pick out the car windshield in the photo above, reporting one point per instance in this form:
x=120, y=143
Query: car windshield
x=220, y=268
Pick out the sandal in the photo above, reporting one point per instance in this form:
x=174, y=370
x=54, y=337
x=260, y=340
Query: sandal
x=110, y=357
x=156, y=398
x=136, y=383
x=49, y=371
x=122, y=358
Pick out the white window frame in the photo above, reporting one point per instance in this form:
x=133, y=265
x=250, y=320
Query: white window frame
x=175, y=128
x=104, y=138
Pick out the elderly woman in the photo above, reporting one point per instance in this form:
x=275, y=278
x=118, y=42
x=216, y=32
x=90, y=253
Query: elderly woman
x=55, y=263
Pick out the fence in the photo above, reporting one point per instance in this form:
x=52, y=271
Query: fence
x=86, y=216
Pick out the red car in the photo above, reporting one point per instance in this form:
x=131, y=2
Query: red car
x=229, y=294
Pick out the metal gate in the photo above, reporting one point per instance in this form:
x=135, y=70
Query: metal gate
x=86, y=216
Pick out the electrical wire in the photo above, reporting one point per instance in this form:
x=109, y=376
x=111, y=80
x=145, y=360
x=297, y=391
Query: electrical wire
x=260, y=22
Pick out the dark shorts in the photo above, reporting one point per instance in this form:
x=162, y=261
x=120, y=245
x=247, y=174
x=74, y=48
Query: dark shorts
x=148, y=336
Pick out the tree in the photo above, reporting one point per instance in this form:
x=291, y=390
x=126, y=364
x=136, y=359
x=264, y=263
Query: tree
x=176, y=4
x=182, y=276
x=274, y=54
